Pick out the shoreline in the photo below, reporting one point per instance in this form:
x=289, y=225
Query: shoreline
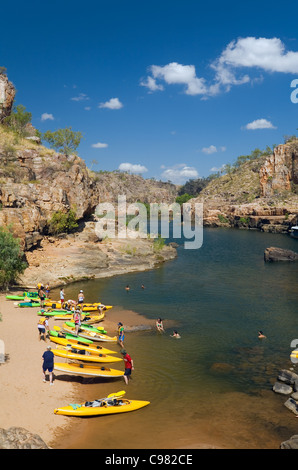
x=28, y=401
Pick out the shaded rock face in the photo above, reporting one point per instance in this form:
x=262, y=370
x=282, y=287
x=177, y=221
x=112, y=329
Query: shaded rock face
x=39, y=185
x=280, y=170
x=7, y=94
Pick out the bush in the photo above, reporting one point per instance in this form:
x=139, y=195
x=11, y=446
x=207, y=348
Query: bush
x=18, y=120
x=62, y=222
x=183, y=198
x=11, y=258
x=65, y=140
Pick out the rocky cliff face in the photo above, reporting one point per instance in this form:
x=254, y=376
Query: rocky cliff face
x=35, y=182
x=7, y=94
x=280, y=170
x=260, y=195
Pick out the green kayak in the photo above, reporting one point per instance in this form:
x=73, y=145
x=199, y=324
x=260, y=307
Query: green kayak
x=85, y=326
x=70, y=336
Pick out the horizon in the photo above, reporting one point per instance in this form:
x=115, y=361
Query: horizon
x=171, y=91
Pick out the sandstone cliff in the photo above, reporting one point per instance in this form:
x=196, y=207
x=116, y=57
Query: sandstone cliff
x=7, y=94
x=261, y=194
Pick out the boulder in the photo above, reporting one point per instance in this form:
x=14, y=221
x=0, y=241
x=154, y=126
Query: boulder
x=282, y=388
x=287, y=376
x=291, y=443
x=273, y=254
x=20, y=438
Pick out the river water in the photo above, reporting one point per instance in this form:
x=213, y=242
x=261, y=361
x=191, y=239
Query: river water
x=213, y=387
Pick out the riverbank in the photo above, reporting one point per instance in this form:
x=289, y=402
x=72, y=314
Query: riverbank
x=81, y=256
x=27, y=401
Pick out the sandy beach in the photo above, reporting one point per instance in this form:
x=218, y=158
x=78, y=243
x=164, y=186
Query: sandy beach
x=27, y=401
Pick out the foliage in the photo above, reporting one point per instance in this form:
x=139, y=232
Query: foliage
x=62, y=222
x=158, y=243
x=183, y=198
x=3, y=70
x=63, y=140
x=18, y=120
x=11, y=258
x=194, y=187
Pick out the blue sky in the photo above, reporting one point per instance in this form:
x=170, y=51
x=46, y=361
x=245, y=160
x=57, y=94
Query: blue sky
x=170, y=89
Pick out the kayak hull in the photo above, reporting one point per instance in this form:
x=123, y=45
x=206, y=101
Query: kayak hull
x=88, y=370
x=92, y=348
x=72, y=337
x=70, y=354
x=122, y=406
x=90, y=335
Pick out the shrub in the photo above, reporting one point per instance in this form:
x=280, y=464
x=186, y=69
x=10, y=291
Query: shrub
x=63, y=140
x=62, y=222
x=11, y=258
x=18, y=120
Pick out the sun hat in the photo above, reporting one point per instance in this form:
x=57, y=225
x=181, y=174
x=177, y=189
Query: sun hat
x=81, y=291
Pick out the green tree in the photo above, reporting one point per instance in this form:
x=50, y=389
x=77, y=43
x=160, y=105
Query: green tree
x=183, y=198
x=62, y=222
x=11, y=258
x=63, y=140
x=19, y=119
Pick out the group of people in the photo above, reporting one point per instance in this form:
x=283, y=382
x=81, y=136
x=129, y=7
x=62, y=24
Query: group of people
x=160, y=329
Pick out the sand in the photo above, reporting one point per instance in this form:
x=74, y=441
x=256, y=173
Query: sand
x=27, y=401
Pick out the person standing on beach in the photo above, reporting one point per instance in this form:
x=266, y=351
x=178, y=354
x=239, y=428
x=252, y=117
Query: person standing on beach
x=128, y=364
x=81, y=297
x=61, y=296
x=47, y=291
x=42, y=328
x=48, y=364
x=121, y=334
x=41, y=295
x=77, y=320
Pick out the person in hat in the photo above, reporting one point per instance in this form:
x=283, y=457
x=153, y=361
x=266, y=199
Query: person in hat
x=48, y=364
x=81, y=297
x=128, y=364
x=121, y=334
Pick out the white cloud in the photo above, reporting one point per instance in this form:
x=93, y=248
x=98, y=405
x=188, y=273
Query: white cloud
x=180, y=173
x=212, y=149
x=87, y=108
x=260, y=124
x=214, y=168
x=132, y=168
x=113, y=103
x=151, y=84
x=80, y=97
x=99, y=145
x=46, y=116
x=176, y=74
x=230, y=68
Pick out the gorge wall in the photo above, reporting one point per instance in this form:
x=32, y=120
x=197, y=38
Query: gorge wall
x=7, y=95
x=260, y=195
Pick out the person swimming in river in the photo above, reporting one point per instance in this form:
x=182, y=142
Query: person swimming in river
x=175, y=334
x=159, y=325
x=261, y=335
x=127, y=288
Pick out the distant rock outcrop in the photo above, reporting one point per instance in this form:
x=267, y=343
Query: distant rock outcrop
x=280, y=170
x=7, y=94
x=261, y=194
x=279, y=254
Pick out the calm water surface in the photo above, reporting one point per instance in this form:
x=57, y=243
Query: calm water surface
x=213, y=387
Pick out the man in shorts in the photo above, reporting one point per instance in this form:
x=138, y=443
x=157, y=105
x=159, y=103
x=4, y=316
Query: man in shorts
x=128, y=364
x=48, y=364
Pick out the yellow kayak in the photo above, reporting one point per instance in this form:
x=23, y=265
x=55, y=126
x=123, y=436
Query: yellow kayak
x=85, y=318
x=113, y=403
x=86, y=369
x=82, y=355
x=86, y=307
x=90, y=335
x=93, y=349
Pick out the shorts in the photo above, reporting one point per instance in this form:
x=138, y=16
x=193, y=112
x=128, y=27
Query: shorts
x=127, y=372
x=121, y=338
x=41, y=329
x=49, y=368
